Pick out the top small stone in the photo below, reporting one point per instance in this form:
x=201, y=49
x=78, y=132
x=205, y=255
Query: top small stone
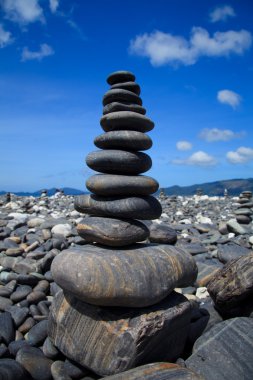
x=120, y=77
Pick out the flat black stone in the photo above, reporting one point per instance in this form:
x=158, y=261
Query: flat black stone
x=126, y=140
x=12, y=370
x=126, y=120
x=118, y=95
x=119, y=207
x=112, y=232
x=119, y=162
x=113, y=184
x=120, y=77
x=129, y=86
x=116, y=106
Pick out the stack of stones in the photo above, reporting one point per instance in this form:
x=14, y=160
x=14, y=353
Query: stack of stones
x=117, y=308
x=244, y=212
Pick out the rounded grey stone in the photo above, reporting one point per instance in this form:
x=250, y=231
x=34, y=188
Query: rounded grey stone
x=35, y=362
x=125, y=140
x=119, y=207
x=119, y=162
x=120, y=77
x=243, y=219
x=116, y=106
x=129, y=86
x=113, y=184
x=138, y=276
x=118, y=95
x=12, y=370
x=126, y=120
x=112, y=232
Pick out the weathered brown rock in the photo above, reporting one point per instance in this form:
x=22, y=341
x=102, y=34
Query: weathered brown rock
x=119, y=207
x=128, y=140
x=112, y=232
x=126, y=120
x=113, y=161
x=138, y=276
x=157, y=371
x=112, y=340
x=112, y=184
x=232, y=286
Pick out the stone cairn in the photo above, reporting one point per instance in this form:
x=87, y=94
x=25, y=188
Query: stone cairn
x=117, y=308
x=244, y=212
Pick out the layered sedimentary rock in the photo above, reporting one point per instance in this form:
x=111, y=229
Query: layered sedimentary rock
x=112, y=340
x=135, y=277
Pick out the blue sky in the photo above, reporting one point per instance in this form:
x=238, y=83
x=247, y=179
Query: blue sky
x=192, y=59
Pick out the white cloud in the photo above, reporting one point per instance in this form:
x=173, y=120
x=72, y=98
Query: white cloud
x=229, y=97
x=53, y=5
x=215, y=134
x=199, y=158
x=45, y=51
x=5, y=37
x=241, y=156
x=184, y=145
x=22, y=11
x=222, y=13
x=164, y=48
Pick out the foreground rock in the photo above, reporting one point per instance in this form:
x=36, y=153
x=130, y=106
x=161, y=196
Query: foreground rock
x=231, y=288
x=114, y=340
x=134, y=277
x=214, y=354
x=157, y=371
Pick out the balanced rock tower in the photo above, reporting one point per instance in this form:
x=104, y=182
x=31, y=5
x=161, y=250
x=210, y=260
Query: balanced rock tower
x=244, y=212
x=117, y=308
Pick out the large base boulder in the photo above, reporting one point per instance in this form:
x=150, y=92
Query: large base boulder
x=111, y=340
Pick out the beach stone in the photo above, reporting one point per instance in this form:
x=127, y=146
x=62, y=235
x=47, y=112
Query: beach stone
x=18, y=314
x=157, y=371
x=230, y=251
x=235, y=227
x=205, y=273
x=118, y=95
x=112, y=184
x=120, y=76
x=232, y=286
x=215, y=357
x=126, y=140
x=26, y=325
x=7, y=330
x=62, y=229
x=4, y=303
x=49, y=349
x=112, y=232
x=243, y=211
x=117, y=106
x=37, y=334
x=129, y=86
x=121, y=338
x=162, y=233
x=58, y=371
x=6, y=290
x=35, y=362
x=20, y=293
x=12, y=370
x=114, y=161
x=126, y=120
x=243, y=219
x=138, y=276
x=119, y=207
x=15, y=346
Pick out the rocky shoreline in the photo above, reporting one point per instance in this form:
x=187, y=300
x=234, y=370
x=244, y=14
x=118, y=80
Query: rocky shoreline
x=33, y=231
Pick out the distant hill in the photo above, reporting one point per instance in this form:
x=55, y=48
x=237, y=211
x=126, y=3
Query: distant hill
x=234, y=187
x=67, y=191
